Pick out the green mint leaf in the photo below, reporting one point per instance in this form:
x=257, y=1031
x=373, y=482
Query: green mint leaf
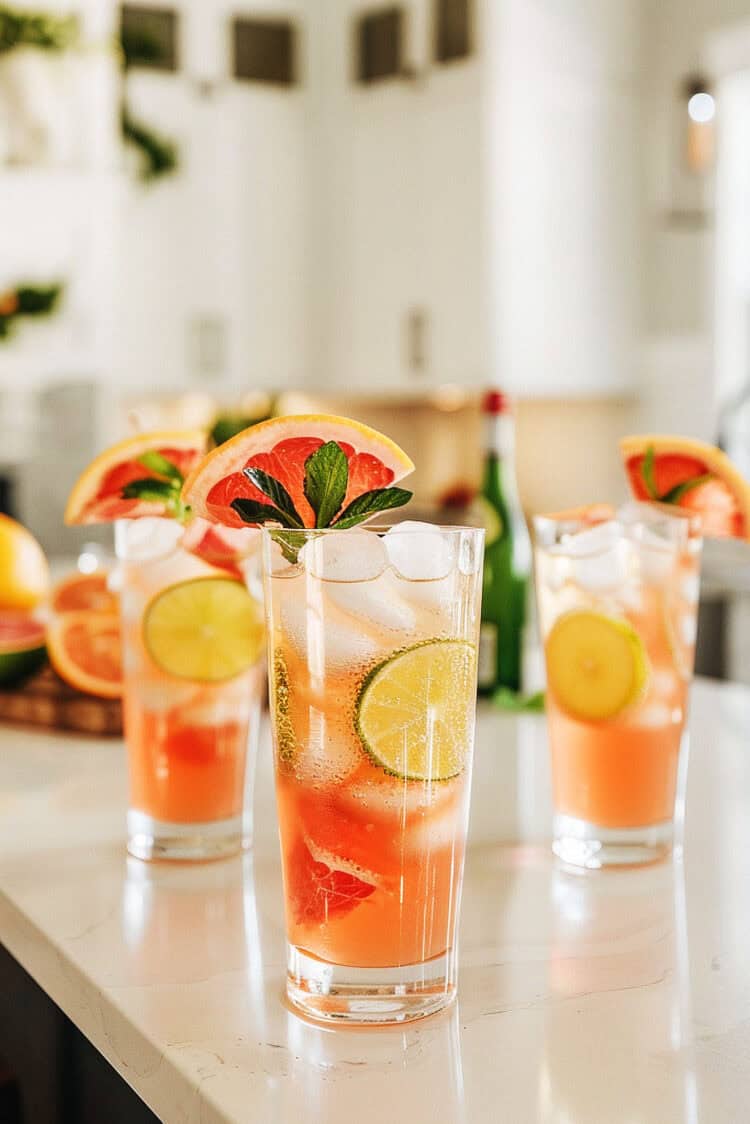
x=674, y=495
x=291, y=543
x=369, y=503
x=647, y=472
x=277, y=493
x=518, y=704
x=151, y=489
x=160, y=465
x=257, y=513
x=326, y=478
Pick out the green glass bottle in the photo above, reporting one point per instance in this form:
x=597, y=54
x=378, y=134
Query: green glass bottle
x=507, y=554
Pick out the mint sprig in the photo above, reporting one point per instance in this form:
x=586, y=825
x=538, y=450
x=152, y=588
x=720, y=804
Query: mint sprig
x=277, y=494
x=159, y=464
x=325, y=485
x=326, y=480
x=369, y=503
x=165, y=487
x=675, y=494
x=647, y=472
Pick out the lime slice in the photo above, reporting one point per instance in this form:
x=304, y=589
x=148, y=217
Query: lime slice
x=596, y=665
x=415, y=710
x=206, y=629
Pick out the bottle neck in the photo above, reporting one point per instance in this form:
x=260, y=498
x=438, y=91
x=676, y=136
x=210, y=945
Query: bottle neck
x=500, y=436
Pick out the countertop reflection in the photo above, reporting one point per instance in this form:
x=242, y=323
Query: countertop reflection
x=619, y=997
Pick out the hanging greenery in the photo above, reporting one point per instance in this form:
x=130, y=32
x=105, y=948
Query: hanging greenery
x=61, y=33
x=36, y=29
x=26, y=301
x=158, y=153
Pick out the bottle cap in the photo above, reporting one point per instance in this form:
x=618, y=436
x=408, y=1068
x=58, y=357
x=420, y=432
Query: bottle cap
x=495, y=402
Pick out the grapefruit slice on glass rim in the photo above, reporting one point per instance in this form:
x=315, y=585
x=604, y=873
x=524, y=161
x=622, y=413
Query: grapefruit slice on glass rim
x=692, y=475
x=97, y=496
x=280, y=447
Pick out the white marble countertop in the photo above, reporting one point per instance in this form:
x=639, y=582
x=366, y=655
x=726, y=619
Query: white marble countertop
x=606, y=998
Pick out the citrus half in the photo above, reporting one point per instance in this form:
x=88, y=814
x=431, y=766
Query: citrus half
x=84, y=649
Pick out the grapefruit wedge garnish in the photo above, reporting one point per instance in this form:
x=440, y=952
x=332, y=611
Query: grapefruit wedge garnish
x=691, y=475
x=266, y=474
x=140, y=476
x=84, y=649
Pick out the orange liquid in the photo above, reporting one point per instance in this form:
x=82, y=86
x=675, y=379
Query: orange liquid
x=372, y=864
x=613, y=775
x=184, y=773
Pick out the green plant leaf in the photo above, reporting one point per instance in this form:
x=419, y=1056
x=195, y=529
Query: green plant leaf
x=277, y=493
x=326, y=478
x=291, y=543
x=674, y=495
x=159, y=464
x=508, y=700
x=151, y=489
x=369, y=503
x=258, y=513
x=647, y=472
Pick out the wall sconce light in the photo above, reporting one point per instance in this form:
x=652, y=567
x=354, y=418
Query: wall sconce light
x=700, y=126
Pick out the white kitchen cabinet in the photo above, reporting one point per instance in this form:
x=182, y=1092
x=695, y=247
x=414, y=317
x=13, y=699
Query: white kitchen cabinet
x=561, y=193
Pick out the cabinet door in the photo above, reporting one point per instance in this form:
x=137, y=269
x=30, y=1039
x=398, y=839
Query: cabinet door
x=562, y=193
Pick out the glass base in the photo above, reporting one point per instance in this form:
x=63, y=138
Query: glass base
x=336, y=993
x=579, y=843
x=151, y=839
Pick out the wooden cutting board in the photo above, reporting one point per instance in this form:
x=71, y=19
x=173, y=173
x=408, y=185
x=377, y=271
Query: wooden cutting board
x=46, y=701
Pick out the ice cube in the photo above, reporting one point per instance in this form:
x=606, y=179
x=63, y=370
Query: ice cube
x=377, y=604
x=598, y=557
x=331, y=752
x=320, y=632
x=690, y=588
x=657, y=554
x=420, y=551
x=688, y=628
x=657, y=715
x=345, y=556
x=141, y=540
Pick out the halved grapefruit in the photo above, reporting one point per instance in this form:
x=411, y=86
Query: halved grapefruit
x=692, y=475
x=84, y=649
x=280, y=447
x=98, y=494
x=84, y=591
x=22, y=648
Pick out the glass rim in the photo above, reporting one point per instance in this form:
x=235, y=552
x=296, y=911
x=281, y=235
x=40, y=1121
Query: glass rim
x=552, y=531
x=382, y=528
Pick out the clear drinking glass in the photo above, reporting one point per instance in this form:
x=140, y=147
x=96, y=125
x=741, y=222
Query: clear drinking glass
x=191, y=742
x=372, y=663
x=617, y=604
